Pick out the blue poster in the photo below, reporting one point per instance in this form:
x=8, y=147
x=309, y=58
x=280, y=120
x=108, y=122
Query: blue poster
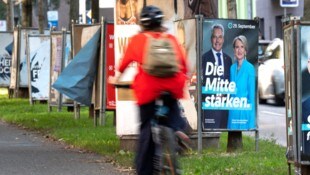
x=230, y=52
x=305, y=90
x=76, y=80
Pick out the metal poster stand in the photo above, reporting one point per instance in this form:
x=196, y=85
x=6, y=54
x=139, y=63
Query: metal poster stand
x=297, y=50
x=14, y=85
x=200, y=21
x=19, y=34
x=102, y=71
x=31, y=98
x=100, y=82
x=58, y=101
x=76, y=46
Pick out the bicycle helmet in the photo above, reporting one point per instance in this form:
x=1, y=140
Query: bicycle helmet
x=151, y=17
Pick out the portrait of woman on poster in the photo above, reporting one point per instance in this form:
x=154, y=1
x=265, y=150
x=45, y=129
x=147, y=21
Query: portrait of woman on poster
x=126, y=12
x=242, y=72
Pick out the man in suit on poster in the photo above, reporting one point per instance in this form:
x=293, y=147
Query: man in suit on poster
x=215, y=57
x=305, y=110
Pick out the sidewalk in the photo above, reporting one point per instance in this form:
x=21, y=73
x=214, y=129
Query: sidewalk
x=28, y=153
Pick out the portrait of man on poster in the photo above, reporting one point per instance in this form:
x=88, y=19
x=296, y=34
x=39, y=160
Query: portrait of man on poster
x=216, y=58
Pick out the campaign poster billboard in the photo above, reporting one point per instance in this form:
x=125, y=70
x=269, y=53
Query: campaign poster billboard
x=14, y=61
x=125, y=28
x=110, y=65
x=229, y=74
x=76, y=80
x=6, y=48
x=304, y=76
x=39, y=66
x=185, y=32
x=57, y=63
x=19, y=57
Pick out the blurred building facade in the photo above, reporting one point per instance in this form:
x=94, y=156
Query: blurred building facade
x=271, y=13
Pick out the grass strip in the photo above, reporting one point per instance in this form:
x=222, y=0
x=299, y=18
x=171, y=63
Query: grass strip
x=81, y=133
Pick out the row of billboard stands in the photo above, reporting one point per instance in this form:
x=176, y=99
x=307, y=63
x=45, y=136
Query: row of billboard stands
x=49, y=56
x=37, y=60
x=34, y=61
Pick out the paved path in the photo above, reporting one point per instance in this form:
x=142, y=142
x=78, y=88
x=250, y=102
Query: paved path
x=27, y=153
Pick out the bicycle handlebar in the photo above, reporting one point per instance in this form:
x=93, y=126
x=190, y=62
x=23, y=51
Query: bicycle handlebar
x=125, y=85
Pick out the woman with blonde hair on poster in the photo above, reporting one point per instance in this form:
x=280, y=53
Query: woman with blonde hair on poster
x=242, y=72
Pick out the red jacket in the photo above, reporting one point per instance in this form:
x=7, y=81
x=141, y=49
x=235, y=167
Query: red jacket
x=146, y=87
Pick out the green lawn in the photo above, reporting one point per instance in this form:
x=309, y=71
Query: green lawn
x=81, y=133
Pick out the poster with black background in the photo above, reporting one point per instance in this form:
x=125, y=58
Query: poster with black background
x=6, y=47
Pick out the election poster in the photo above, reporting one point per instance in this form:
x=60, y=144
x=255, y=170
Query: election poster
x=19, y=69
x=60, y=58
x=77, y=78
x=124, y=29
x=126, y=25
x=304, y=74
x=24, y=32
x=185, y=32
x=6, y=48
x=229, y=74
x=14, y=63
x=38, y=58
x=110, y=68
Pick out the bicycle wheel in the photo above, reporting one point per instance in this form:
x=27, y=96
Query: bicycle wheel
x=169, y=157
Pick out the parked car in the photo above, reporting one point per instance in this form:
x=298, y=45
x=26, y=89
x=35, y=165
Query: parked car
x=271, y=84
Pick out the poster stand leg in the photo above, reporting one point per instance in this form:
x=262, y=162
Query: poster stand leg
x=289, y=168
x=76, y=110
x=102, y=117
x=256, y=139
x=96, y=114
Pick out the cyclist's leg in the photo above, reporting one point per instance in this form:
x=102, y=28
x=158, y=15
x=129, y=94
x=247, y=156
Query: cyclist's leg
x=175, y=120
x=145, y=148
x=169, y=159
x=178, y=123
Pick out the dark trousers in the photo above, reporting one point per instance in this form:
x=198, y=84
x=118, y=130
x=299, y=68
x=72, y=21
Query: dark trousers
x=146, y=147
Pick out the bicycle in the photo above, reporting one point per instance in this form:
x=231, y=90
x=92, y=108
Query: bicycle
x=164, y=137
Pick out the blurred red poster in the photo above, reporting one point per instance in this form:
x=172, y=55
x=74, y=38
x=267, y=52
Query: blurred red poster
x=110, y=66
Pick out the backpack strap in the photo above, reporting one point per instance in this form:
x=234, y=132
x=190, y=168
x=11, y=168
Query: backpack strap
x=162, y=34
x=147, y=35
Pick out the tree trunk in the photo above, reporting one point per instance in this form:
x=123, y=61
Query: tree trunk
x=10, y=15
x=232, y=9
x=306, y=16
x=234, y=137
x=74, y=12
x=41, y=12
x=208, y=8
x=234, y=142
x=304, y=169
x=26, y=13
x=95, y=10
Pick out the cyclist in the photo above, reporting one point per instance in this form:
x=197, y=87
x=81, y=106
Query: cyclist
x=148, y=88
